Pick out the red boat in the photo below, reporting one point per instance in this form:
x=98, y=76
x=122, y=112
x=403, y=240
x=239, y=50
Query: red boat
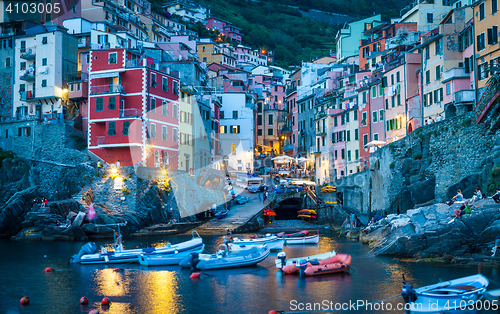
x=336, y=264
x=303, y=233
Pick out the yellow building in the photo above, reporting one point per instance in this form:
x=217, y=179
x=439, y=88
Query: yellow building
x=487, y=49
x=186, y=152
x=210, y=52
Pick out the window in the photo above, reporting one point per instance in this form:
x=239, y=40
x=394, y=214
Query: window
x=25, y=131
x=364, y=97
x=23, y=65
x=480, y=42
x=430, y=18
x=270, y=119
x=112, y=58
x=175, y=110
x=335, y=122
x=164, y=108
x=126, y=127
x=235, y=114
x=259, y=132
x=427, y=53
x=233, y=148
x=393, y=101
x=436, y=95
x=44, y=61
x=164, y=135
x=7, y=62
x=152, y=105
x=175, y=88
x=164, y=85
x=44, y=40
x=112, y=103
x=347, y=114
x=364, y=118
x=374, y=115
x=375, y=137
x=111, y=128
x=392, y=79
x=153, y=80
x=494, y=6
x=221, y=115
x=175, y=135
x=348, y=136
x=492, y=35
x=398, y=77
x=355, y=115
x=72, y=87
x=270, y=132
x=365, y=139
x=387, y=104
x=44, y=83
x=430, y=99
x=437, y=46
x=441, y=94
x=98, y=104
x=223, y=129
x=398, y=97
x=348, y=155
x=23, y=46
x=481, y=11
x=427, y=77
x=235, y=129
x=381, y=115
x=73, y=9
x=448, y=91
x=356, y=134
x=374, y=91
x=153, y=130
x=356, y=154
x=380, y=90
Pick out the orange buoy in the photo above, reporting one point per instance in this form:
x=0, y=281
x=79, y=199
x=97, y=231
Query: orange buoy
x=272, y=312
x=84, y=300
x=94, y=312
x=117, y=269
x=48, y=269
x=25, y=301
x=195, y=275
x=105, y=301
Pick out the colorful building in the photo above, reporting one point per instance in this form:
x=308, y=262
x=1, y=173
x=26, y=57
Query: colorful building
x=132, y=123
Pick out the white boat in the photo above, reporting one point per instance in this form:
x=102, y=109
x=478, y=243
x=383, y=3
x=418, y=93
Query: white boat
x=445, y=296
x=224, y=259
x=272, y=246
x=88, y=255
x=271, y=241
x=282, y=261
x=303, y=240
x=169, y=258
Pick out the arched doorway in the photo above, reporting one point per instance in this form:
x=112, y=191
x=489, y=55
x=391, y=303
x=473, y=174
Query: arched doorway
x=287, y=208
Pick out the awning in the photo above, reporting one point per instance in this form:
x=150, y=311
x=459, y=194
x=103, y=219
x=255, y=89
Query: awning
x=104, y=75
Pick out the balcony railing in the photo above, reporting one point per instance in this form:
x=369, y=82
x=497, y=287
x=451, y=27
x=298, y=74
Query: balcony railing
x=288, y=147
x=28, y=76
x=319, y=115
x=464, y=96
x=130, y=113
x=106, y=89
x=27, y=95
x=320, y=132
x=290, y=90
x=28, y=55
x=301, y=149
x=455, y=73
x=286, y=129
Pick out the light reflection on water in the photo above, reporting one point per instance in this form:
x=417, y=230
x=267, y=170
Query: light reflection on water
x=155, y=290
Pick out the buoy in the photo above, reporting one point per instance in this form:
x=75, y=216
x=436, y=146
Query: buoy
x=105, y=301
x=94, y=312
x=117, y=269
x=84, y=300
x=195, y=275
x=25, y=301
x=272, y=312
x=48, y=269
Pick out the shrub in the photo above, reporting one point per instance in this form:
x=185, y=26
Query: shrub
x=103, y=175
x=124, y=179
x=125, y=191
x=391, y=165
x=466, y=123
x=391, y=147
x=130, y=175
x=417, y=156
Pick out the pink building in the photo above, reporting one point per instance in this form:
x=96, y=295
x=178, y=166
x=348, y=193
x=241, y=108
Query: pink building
x=225, y=28
x=338, y=131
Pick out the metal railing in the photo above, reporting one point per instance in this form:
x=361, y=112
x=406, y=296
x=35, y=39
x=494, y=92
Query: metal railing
x=288, y=147
x=131, y=112
x=286, y=129
x=106, y=89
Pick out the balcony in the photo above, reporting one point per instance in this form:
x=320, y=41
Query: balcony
x=317, y=152
x=350, y=93
x=301, y=150
x=130, y=113
x=106, y=89
x=455, y=73
x=464, y=96
x=319, y=115
x=286, y=129
x=288, y=148
x=290, y=90
x=27, y=95
x=28, y=76
x=28, y=55
x=320, y=132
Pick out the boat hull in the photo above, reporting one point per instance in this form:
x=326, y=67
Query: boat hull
x=450, y=295
x=276, y=245
x=272, y=243
x=244, y=258
x=168, y=259
x=337, y=264
x=290, y=267
x=132, y=256
x=303, y=240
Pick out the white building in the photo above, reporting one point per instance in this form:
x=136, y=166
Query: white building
x=237, y=130
x=190, y=11
x=43, y=64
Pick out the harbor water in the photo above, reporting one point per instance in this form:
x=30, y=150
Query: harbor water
x=136, y=289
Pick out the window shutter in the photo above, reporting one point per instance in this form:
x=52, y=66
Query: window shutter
x=494, y=34
x=490, y=36
x=467, y=65
x=238, y=129
x=231, y=129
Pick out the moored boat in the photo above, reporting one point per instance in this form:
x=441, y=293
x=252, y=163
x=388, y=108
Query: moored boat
x=445, y=296
x=223, y=213
x=303, y=239
x=276, y=245
x=336, y=264
x=169, y=258
x=88, y=255
x=223, y=259
x=289, y=266
x=271, y=241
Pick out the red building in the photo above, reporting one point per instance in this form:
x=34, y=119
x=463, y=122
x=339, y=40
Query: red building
x=133, y=110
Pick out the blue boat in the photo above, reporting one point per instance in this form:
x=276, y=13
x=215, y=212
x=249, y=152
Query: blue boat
x=223, y=213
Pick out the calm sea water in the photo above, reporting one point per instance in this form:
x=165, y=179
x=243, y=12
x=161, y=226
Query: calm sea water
x=155, y=290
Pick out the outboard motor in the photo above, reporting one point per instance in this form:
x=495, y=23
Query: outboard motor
x=193, y=261
x=407, y=292
x=282, y=257
x=89, y=248
x=302, y=266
